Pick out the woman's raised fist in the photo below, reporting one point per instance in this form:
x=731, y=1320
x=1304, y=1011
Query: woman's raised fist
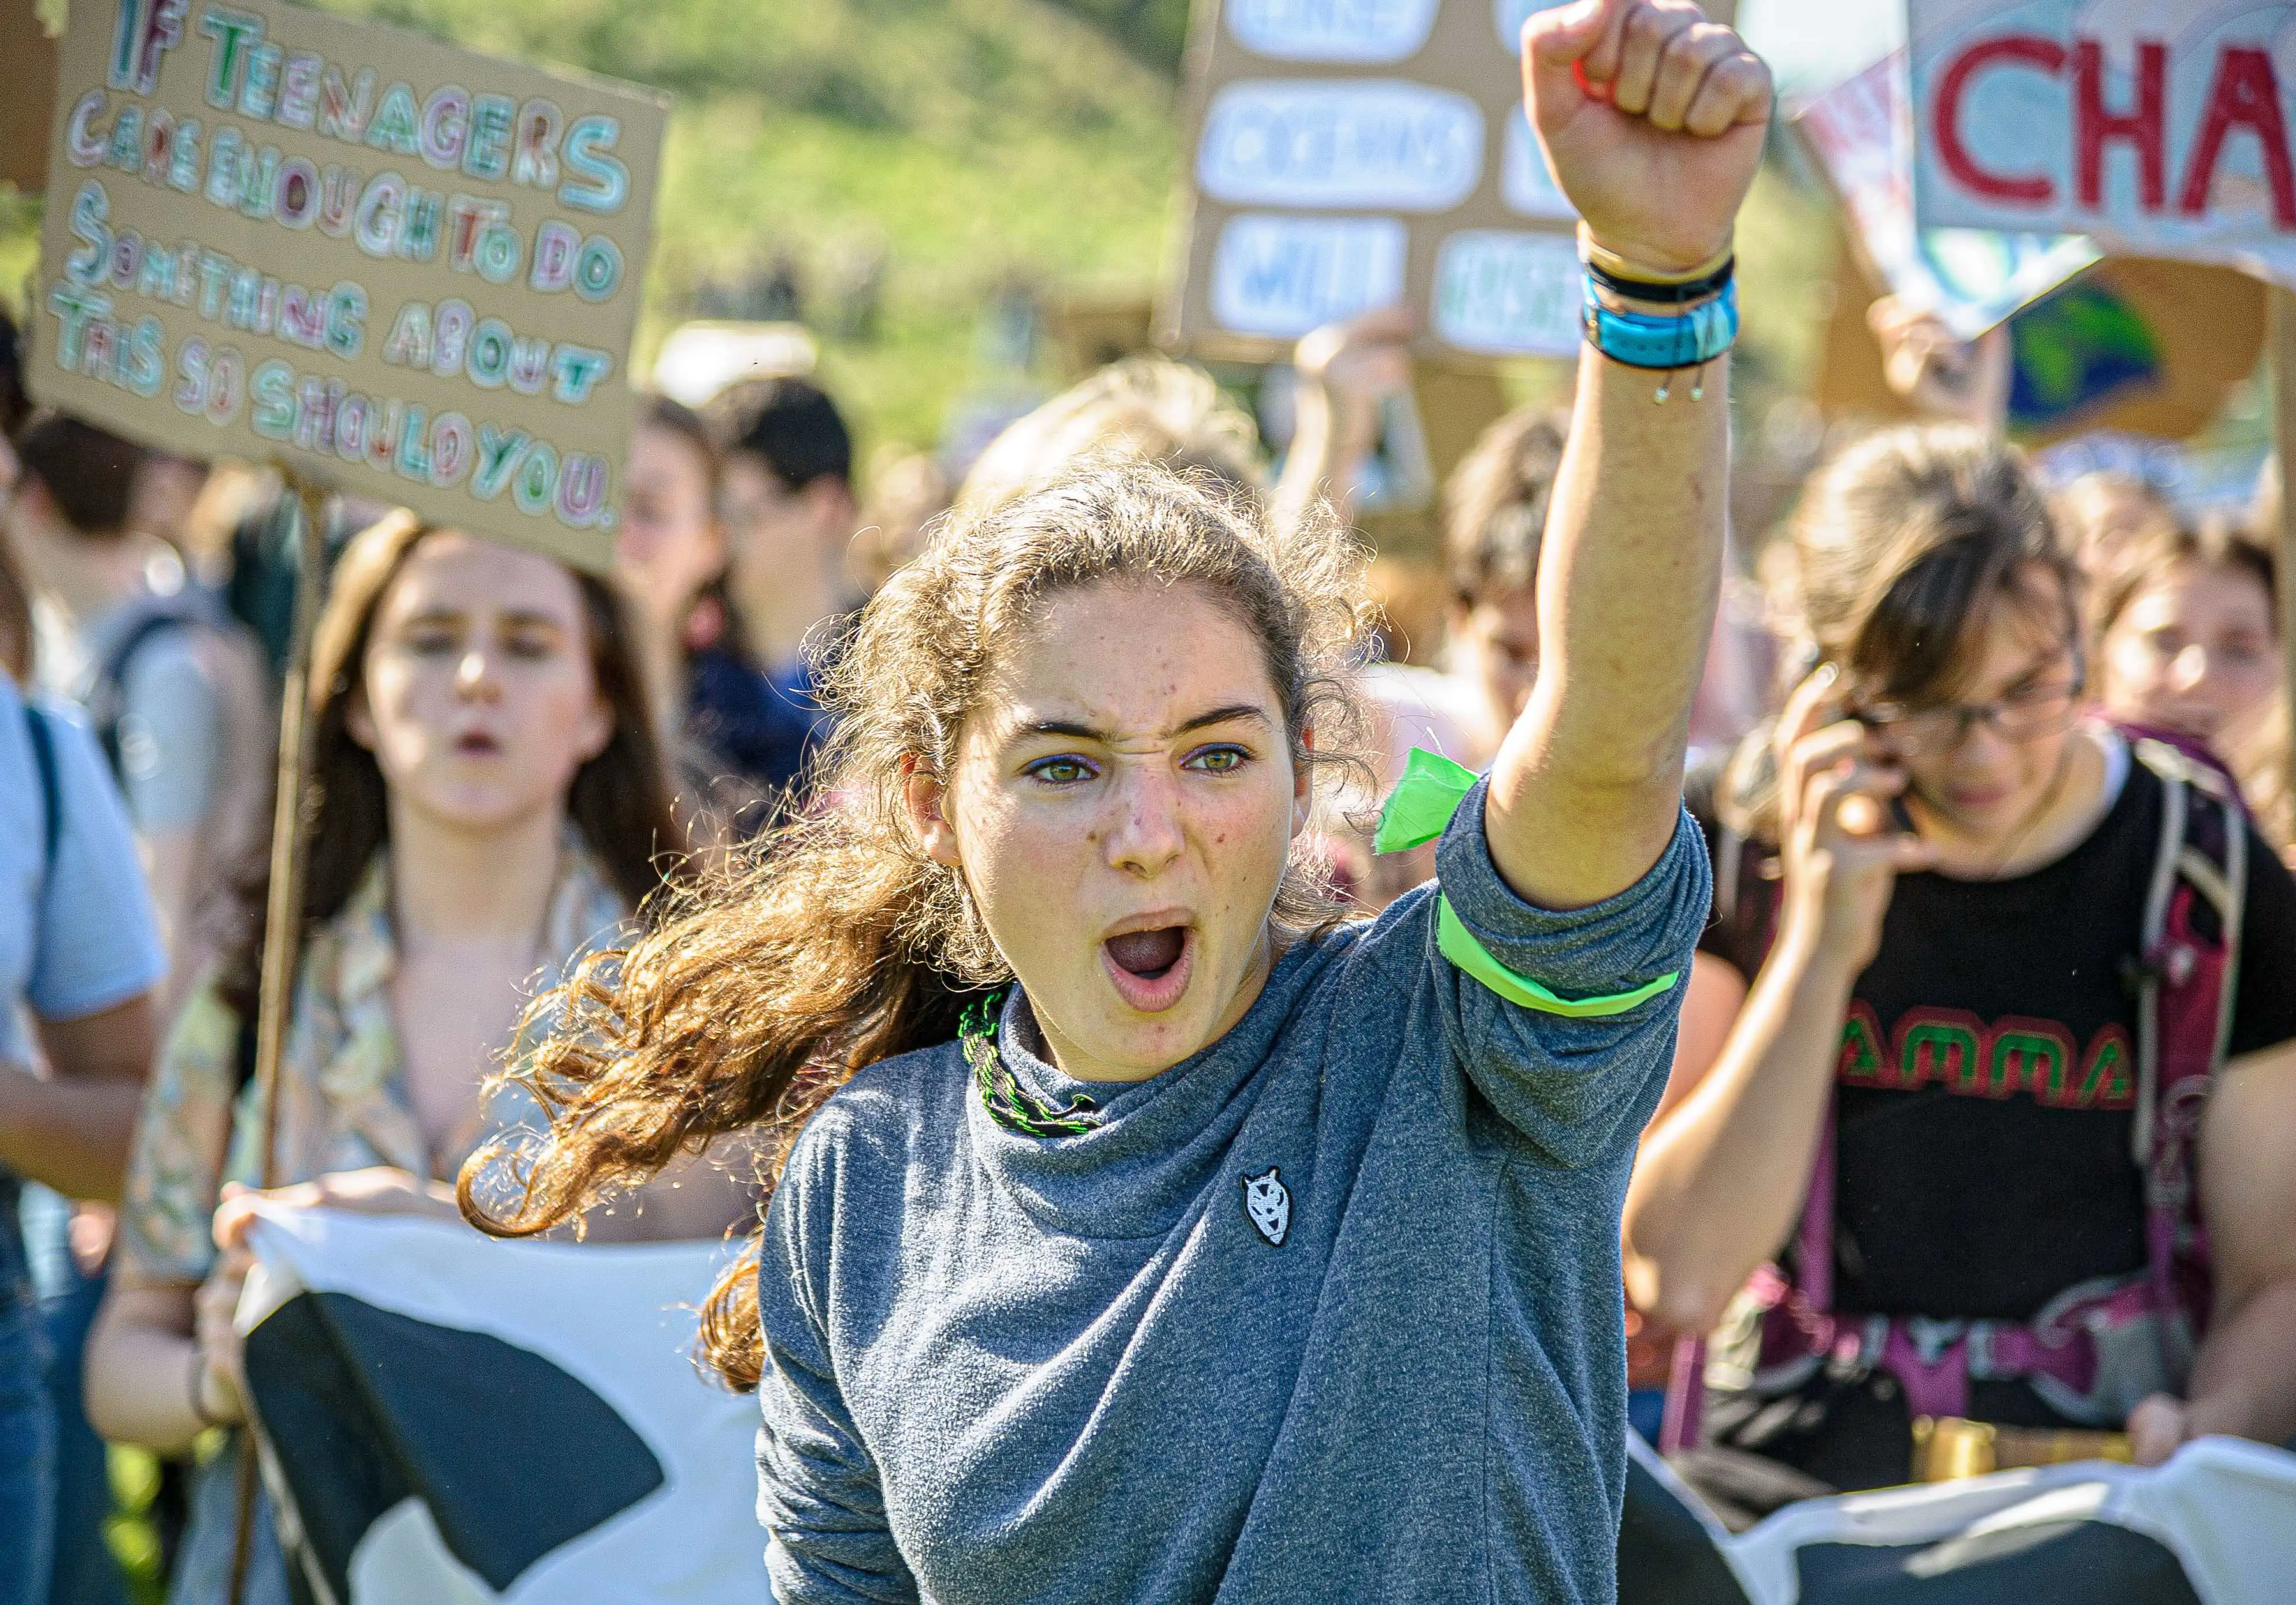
x=1651, y=118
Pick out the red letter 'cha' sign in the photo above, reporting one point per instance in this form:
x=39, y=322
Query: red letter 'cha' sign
x=2142, y=128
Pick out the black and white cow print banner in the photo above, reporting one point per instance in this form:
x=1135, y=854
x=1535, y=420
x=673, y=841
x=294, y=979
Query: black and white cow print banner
x=2216, y=1525
x=452, y=1420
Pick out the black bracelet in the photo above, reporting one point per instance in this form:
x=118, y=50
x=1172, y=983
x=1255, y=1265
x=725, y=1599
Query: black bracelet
x=199, y=1391
x=1666, y=295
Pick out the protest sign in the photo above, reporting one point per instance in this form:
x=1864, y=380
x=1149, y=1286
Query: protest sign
x=1347, y=156
x=2218, y=1522
x=2158, y=130
x=2148, y=348
x=1970, y=278
x=452, y=1420
x=405, y=270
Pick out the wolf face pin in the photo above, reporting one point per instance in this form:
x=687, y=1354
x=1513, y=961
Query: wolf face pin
x=1267, y=1206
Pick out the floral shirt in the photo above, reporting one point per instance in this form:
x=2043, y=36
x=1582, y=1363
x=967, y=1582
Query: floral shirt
x=345, y=1102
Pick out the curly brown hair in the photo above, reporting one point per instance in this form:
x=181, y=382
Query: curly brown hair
x=838, y=941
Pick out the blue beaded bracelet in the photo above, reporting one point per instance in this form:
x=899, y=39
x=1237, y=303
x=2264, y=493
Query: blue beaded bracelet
x=1687, y=339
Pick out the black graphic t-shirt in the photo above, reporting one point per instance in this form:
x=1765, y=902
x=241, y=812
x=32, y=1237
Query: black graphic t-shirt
x=1988, y=1069
x=1987, y=1074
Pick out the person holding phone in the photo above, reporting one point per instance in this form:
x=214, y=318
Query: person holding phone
x=2000, y=1101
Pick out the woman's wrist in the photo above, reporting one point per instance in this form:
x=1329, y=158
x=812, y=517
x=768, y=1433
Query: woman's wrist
x=198, y=1392
x=1637, y=263
x=1815, y=952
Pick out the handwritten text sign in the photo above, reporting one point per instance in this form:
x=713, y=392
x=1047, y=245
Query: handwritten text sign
x=1282, y=275
x=1333, y=30
x=411, y=271
x=2158, y=128
x=1383, y=144
x=1352, y=154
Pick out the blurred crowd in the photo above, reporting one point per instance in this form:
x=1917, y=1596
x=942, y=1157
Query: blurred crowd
x=1935, y=767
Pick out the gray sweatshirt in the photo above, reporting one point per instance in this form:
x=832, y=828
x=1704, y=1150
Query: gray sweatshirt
x=1330, y=1311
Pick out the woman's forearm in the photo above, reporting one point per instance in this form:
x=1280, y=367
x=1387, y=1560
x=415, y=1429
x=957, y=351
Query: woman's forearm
x=139, y=1369
x=1588, y=786
x=1721, y=1180
x=71, y=1136
x=1313, y=466
x=2244, y=1379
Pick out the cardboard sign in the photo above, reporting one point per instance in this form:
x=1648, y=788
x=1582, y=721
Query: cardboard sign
x=1349, y=154
x=2157, y=128
x=1970, y=278
x=410, y=271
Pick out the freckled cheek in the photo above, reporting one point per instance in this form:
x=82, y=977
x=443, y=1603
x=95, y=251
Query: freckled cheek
x=1247, y=840
x=1021, y=848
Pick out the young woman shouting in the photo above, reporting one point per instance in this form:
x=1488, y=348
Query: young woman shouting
x=1165, y=1238
x=490, y=802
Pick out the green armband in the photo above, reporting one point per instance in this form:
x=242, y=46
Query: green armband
x=1458, y=945
x=1416, y=812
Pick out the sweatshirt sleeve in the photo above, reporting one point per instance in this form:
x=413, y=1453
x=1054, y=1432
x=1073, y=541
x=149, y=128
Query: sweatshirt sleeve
x=829, y=1542
x=1575, y=1058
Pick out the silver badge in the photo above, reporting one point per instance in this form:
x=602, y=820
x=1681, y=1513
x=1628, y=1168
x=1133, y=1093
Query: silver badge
x=1268, y=1204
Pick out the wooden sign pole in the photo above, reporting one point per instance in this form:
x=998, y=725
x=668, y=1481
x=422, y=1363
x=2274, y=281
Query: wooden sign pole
x=2282, y=344
x=282, y=917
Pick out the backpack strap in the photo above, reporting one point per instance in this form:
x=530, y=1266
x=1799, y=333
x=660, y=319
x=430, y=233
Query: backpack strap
x=51, y=792
x=107, y=699
x=2187, y=972
x=2160, y=885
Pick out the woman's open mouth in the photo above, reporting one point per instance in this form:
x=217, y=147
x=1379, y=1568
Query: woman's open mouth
x=478, y=743
x=1149, y=968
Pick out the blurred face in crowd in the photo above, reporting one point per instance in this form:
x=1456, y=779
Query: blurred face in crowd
x=166, y=487
x=477, y=694
x=39, y=540
x=670, y=543
x=2195, y=651
x=782, y=545
x=1494, y=647
x=1985, y=764
x=1121, y=808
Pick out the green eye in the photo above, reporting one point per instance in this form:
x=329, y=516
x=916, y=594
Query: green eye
x=1218, y=760
x=1062, y=771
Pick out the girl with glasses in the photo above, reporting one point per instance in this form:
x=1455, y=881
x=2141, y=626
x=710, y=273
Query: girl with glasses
x=1992, y=963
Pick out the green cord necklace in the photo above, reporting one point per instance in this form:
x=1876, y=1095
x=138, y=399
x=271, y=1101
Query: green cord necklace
x=1009, y=1103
